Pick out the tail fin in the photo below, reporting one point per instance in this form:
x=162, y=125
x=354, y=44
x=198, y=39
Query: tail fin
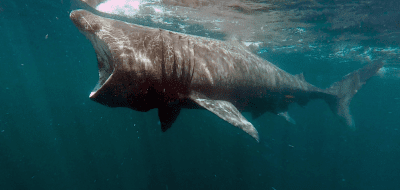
x=345, y=89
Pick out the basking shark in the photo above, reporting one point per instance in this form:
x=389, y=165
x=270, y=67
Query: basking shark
x=143, y=68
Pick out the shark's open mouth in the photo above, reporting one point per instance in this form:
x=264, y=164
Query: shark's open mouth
x=104, y=60
x=93, y=28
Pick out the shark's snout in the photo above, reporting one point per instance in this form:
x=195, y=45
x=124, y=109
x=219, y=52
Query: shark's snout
x=84, y=21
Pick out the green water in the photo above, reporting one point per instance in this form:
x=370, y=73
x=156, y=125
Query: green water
x=52, y=136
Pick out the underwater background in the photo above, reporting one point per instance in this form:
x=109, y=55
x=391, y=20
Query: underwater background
x=52, y=136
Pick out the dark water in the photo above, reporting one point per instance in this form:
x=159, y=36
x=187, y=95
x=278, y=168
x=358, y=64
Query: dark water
x=53, y=137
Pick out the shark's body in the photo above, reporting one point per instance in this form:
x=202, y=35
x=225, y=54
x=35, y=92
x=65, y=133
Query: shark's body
x=144, y=68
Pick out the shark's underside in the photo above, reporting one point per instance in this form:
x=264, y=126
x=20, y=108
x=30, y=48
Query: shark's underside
x=144, y=68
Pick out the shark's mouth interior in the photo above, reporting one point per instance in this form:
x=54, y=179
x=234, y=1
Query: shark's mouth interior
x=103, y=77
x=104, y=60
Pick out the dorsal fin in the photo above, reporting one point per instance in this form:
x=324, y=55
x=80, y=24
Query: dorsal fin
x=300, y=76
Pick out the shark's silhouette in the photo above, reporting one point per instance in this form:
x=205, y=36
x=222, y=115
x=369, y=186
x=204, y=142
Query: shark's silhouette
x=144, y=68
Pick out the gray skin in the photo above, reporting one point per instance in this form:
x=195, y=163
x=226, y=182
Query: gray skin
x=144, y=68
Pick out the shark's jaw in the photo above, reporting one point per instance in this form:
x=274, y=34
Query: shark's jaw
x=98, y=86
x=93, y=29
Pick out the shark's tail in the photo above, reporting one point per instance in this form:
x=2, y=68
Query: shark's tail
x=344, y=90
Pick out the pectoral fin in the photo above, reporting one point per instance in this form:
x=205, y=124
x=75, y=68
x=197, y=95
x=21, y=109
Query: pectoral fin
x=168, y=115
x=228, y=112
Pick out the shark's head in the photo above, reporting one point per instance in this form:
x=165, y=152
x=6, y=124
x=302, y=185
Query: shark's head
x=90, y=27
x=127, y=56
